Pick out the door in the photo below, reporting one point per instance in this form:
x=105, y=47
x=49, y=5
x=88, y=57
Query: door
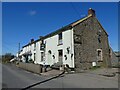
x=42, y=56
x=60, y=56
x=49, y=59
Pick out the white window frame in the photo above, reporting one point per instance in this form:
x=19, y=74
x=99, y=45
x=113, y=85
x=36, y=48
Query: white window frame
x=101, y=59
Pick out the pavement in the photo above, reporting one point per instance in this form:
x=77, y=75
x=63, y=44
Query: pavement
x=51, y=73
x=108, y=72
x=14, y=77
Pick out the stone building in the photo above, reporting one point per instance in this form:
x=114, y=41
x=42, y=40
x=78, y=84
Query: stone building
x=81, y=45
x=90, y=43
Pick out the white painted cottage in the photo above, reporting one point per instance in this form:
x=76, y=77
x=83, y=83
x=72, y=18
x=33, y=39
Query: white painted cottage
x=50, y=49
x=28, y=52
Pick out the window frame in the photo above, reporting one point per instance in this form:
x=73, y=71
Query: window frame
x=101, y=54
x=60, y=38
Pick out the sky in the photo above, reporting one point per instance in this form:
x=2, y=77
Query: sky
x=22, y=21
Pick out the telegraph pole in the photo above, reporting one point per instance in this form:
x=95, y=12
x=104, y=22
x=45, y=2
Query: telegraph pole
x=18, y=50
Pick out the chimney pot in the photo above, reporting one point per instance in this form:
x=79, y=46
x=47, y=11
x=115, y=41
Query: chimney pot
x=32, y=40
x=91, y=11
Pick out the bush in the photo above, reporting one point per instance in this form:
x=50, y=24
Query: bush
x=7, y=57
x=31, y=61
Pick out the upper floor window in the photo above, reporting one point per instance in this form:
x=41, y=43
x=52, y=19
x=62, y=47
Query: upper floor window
x=60, y=39
x=42, y=45
x=78, y=39
x=34, y=46
x=99, y=36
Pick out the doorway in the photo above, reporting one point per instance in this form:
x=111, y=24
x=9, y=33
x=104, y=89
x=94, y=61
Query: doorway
x=60, y=56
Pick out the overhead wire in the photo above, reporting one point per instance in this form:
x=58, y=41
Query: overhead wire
x=74, y=8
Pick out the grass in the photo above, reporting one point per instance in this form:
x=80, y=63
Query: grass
x=95, y=67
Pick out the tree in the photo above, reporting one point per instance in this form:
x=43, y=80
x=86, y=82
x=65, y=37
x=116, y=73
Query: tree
x=7, y=57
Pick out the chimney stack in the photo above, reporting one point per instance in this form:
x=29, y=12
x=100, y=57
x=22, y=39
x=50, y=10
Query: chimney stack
x=32, y=40
x=91, y=11
x=40, y=37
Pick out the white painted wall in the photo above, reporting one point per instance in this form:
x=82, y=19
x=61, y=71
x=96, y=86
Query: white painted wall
x=33, y=50
x=38, y=53
x=24, y=49
x=52, y=44
x=29, y=48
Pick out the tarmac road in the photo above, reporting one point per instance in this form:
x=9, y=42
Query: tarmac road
x=13, y=77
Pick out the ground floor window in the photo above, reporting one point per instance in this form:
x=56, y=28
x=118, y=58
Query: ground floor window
x=34, y=56
x=99, y=54
x=42, y=56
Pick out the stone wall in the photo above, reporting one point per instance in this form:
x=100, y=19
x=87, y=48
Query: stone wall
x=86, y=44
x=35, y=68
x=114, y=58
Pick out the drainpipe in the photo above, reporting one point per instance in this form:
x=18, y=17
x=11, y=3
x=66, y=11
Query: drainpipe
x=71, y=47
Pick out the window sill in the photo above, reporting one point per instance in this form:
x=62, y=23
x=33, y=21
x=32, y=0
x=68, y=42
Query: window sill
x=60, y=44
x=100, y=60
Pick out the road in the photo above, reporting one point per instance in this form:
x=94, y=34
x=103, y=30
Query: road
x=13, y=77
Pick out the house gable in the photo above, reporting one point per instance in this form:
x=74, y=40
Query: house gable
x=91, y=37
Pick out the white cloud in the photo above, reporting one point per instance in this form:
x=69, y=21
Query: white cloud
x=32, y=12
x=83, y=15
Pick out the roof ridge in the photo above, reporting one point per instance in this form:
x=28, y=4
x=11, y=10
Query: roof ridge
x=80, y=20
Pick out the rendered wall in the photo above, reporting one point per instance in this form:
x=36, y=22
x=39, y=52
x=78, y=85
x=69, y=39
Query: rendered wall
x=52, y=44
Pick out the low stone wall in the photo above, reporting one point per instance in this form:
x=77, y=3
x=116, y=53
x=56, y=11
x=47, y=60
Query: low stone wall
x=35, y=68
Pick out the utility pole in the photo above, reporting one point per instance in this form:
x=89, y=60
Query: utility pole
x=18, y=50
